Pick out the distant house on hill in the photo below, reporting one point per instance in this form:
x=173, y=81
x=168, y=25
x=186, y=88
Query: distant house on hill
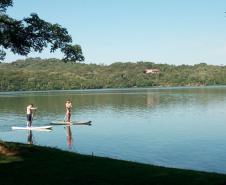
x=152, y=71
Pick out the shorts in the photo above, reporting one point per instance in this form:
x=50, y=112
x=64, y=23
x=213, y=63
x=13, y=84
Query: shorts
x=68, y=116
x=29, y=117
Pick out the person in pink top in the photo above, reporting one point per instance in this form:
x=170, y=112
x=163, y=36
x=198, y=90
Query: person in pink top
x=30, y=109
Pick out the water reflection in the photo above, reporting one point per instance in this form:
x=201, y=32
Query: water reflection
x=176, y=127
x=152, y=100
x=68, y=136
x=30, y=138
x=52, y=102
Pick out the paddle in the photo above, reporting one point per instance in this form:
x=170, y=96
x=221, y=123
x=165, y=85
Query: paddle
x=33, y=113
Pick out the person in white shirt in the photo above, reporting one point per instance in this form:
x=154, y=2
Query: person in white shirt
x=30, y=109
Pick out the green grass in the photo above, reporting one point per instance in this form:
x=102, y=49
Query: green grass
x=35, y=165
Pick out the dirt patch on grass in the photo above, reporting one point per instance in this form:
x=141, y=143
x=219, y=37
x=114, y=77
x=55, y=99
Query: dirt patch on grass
x=7, y=150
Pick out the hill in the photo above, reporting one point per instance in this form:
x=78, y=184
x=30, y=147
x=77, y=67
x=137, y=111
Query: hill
x=54, y=74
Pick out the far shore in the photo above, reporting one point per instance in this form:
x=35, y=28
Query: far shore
x=119, y=89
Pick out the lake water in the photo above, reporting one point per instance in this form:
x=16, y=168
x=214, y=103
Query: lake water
x=173, y=127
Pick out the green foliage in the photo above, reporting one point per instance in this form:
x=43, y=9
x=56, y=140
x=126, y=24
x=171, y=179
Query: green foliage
x=4, y=4
x=73, y=53
x=33, y=33
x=48, y=74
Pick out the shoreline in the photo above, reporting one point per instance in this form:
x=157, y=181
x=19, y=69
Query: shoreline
x=64, y=167
x=115, y=89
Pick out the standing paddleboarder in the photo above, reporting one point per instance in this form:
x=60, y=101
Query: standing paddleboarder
x=68, y=107
x=30, y=109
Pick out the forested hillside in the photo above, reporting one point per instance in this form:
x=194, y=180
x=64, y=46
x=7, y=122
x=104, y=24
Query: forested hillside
x=39, y=74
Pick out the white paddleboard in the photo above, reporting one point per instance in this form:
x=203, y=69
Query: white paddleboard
x=32, y=128
x=71, y=123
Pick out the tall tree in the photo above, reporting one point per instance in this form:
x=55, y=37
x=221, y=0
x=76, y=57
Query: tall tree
x=33, y=33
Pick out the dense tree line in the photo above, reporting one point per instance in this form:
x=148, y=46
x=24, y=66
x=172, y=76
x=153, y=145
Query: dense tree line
x=53, y=74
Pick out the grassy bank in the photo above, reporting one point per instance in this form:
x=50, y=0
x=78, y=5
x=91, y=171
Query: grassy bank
x=26, y=164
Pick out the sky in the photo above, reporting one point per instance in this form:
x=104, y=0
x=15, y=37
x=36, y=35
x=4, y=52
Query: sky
x=160, y=31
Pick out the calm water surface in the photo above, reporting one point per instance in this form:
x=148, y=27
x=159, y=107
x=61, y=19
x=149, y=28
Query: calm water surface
x=173, y=127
